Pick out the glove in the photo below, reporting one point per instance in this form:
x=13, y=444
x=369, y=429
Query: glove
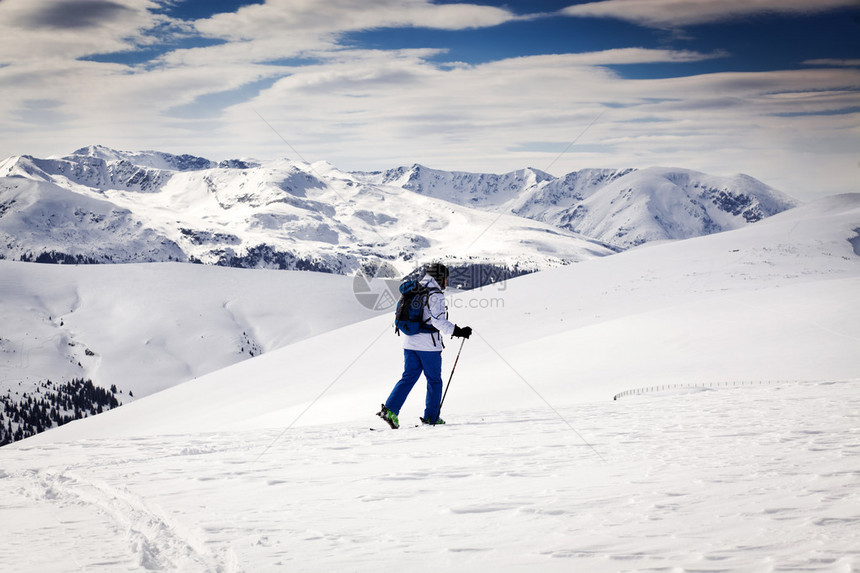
x=464, y=332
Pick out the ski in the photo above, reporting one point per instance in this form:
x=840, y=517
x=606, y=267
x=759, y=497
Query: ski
x=383, y=429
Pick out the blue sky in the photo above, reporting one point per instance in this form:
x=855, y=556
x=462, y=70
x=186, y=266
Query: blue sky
x=766, y=87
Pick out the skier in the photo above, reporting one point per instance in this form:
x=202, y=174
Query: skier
x=422, y=351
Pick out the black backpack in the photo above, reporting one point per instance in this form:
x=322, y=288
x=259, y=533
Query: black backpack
x=409, y=316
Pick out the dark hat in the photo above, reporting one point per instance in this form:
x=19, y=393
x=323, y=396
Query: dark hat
x=438, y=271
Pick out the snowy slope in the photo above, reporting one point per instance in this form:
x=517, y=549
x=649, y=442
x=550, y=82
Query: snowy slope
x=148, y=327
x=268, y=464
x=664, y=204
x=747, y=479
x=40, y=221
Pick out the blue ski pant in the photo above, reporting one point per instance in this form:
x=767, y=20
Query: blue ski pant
x=416, y=362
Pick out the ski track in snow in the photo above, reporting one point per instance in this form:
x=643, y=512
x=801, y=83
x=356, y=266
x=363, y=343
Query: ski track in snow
x=124, y=531
x=754, y=479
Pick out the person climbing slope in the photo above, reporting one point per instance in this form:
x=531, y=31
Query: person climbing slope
x=422, y=317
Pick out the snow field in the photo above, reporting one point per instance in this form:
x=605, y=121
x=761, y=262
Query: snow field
x=747, y=479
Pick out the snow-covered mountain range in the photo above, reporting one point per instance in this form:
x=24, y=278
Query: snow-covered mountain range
x=99, y=205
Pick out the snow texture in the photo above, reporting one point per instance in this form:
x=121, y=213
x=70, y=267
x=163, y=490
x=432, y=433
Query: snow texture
x=747, y=479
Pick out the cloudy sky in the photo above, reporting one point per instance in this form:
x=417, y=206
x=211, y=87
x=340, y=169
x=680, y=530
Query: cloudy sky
x=770, y=88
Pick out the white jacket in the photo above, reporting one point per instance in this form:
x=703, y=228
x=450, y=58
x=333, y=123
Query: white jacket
x=436, y=314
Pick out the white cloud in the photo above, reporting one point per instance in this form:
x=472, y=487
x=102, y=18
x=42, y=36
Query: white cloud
x=620, y=56
x=380, y=109
x=34, y=30
x=279, y=18
x=679, y=13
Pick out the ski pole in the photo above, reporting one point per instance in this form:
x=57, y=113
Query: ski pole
x=457, y=359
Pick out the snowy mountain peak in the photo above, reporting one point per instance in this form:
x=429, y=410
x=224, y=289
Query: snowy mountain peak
x=239, y=164
x=87, y=172
x=147, y=159
x=99, y=152
x=629, y=207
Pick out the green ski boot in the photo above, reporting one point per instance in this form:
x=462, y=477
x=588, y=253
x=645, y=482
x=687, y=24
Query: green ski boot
x=389, y=417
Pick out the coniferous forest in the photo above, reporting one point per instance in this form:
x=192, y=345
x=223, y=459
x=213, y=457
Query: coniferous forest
x=51, y=405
